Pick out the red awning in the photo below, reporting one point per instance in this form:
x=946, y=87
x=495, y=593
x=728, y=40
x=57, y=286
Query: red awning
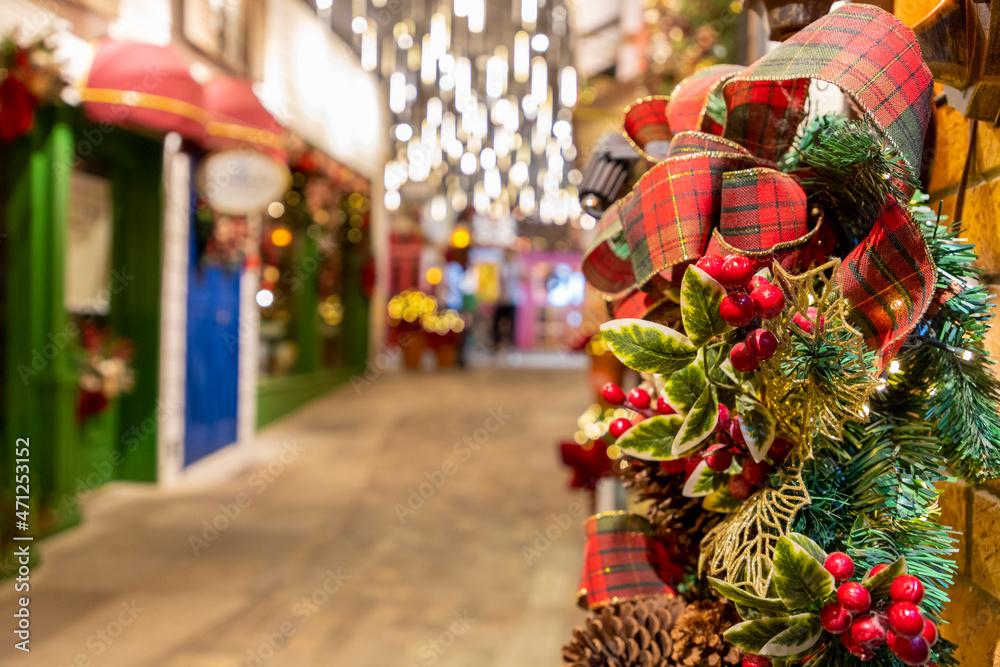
x=144, y=85
x=235, y=117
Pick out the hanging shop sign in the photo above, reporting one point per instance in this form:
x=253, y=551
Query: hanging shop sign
x=242, y=181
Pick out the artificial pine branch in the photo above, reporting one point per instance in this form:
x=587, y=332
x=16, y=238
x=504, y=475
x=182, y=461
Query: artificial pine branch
x=962, y=394
x=851, y=171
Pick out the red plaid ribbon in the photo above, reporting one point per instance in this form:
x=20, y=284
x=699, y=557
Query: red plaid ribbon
x=646, y=125
x=623, y=560
x=688, y=107
x=714, y=193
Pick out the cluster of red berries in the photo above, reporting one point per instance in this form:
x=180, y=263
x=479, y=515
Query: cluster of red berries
x=638, y=400
x=901, y=625
x=732, y=445
x=750, y=297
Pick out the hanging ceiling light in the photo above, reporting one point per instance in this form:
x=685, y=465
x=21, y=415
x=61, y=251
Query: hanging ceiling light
x=486, y=123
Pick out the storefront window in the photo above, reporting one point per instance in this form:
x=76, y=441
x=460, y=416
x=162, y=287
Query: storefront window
x=314, y=253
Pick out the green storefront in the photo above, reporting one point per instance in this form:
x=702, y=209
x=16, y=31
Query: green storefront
x=54, y=180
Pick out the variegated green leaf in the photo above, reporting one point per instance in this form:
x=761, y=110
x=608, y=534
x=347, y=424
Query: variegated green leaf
x=721, y=501
x=757, y=424
x=682, y=388
x=879, y=585
x=801, y=635
x=811, y=548
x=700, y=298
x=699, y=422
x=648, y=347
x=771, y=606
x=798, y=577
x=754, y=635
x=700, y=482
x=652, y=439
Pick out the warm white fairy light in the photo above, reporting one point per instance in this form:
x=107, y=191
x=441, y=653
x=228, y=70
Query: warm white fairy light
x=428, y=61
x=522, y=57
x=477, y=15
x=404, y=132
x=496, y=77
x=540, y=43
x=539, y=80
x=526, y=200
x=369, y=47
x=567, y=87
x=435, y=111
x=397, y=92
x=488, y=158
x=468, y=164
x=529, y=13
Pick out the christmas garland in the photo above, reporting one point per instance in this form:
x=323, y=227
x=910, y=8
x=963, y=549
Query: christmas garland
x=809, y=338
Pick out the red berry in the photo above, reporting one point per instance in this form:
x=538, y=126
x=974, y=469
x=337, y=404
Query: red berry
x=758, y=281
x=663, y=407
x=742, y=359
x=754, y=660
x=807, y=324
x=912, y=651
x=762, y=344
x=737, y=271
x=906, y=588
x=755, y=473
x=619, y=426
x=736, y=433
x=719, y=461
x=672, y=467
x=779, y=450
x=739, y=487
x=712, y=265
x=875, y=570
x=724, y=419
x=905, y=619
x=835, y=619
x=854, y=597
x=930, y=632
x=768, y=301
x=839, y=565
x=736, y=309
x=613, y=394
x=639, y=398
x=868, y=631
x=848, y=641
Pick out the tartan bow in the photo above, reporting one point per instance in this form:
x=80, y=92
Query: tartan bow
x=623, y=560
x=714, y=187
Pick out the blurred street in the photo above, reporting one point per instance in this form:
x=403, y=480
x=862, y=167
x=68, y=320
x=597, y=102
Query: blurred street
x=390, y=523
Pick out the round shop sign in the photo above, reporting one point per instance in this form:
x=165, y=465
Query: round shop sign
x=238, y=182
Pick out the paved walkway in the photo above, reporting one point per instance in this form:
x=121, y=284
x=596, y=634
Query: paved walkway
x=388, y=526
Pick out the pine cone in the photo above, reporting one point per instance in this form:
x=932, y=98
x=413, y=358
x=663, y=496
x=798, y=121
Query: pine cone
x=629, y=634
x=697, y=636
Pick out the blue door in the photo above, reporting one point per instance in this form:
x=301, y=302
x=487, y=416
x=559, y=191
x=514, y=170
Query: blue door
x=212, y=358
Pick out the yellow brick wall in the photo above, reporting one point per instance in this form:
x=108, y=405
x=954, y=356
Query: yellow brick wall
x=973, y=511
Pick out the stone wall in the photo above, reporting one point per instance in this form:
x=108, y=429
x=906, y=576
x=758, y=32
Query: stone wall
x=973, y=511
